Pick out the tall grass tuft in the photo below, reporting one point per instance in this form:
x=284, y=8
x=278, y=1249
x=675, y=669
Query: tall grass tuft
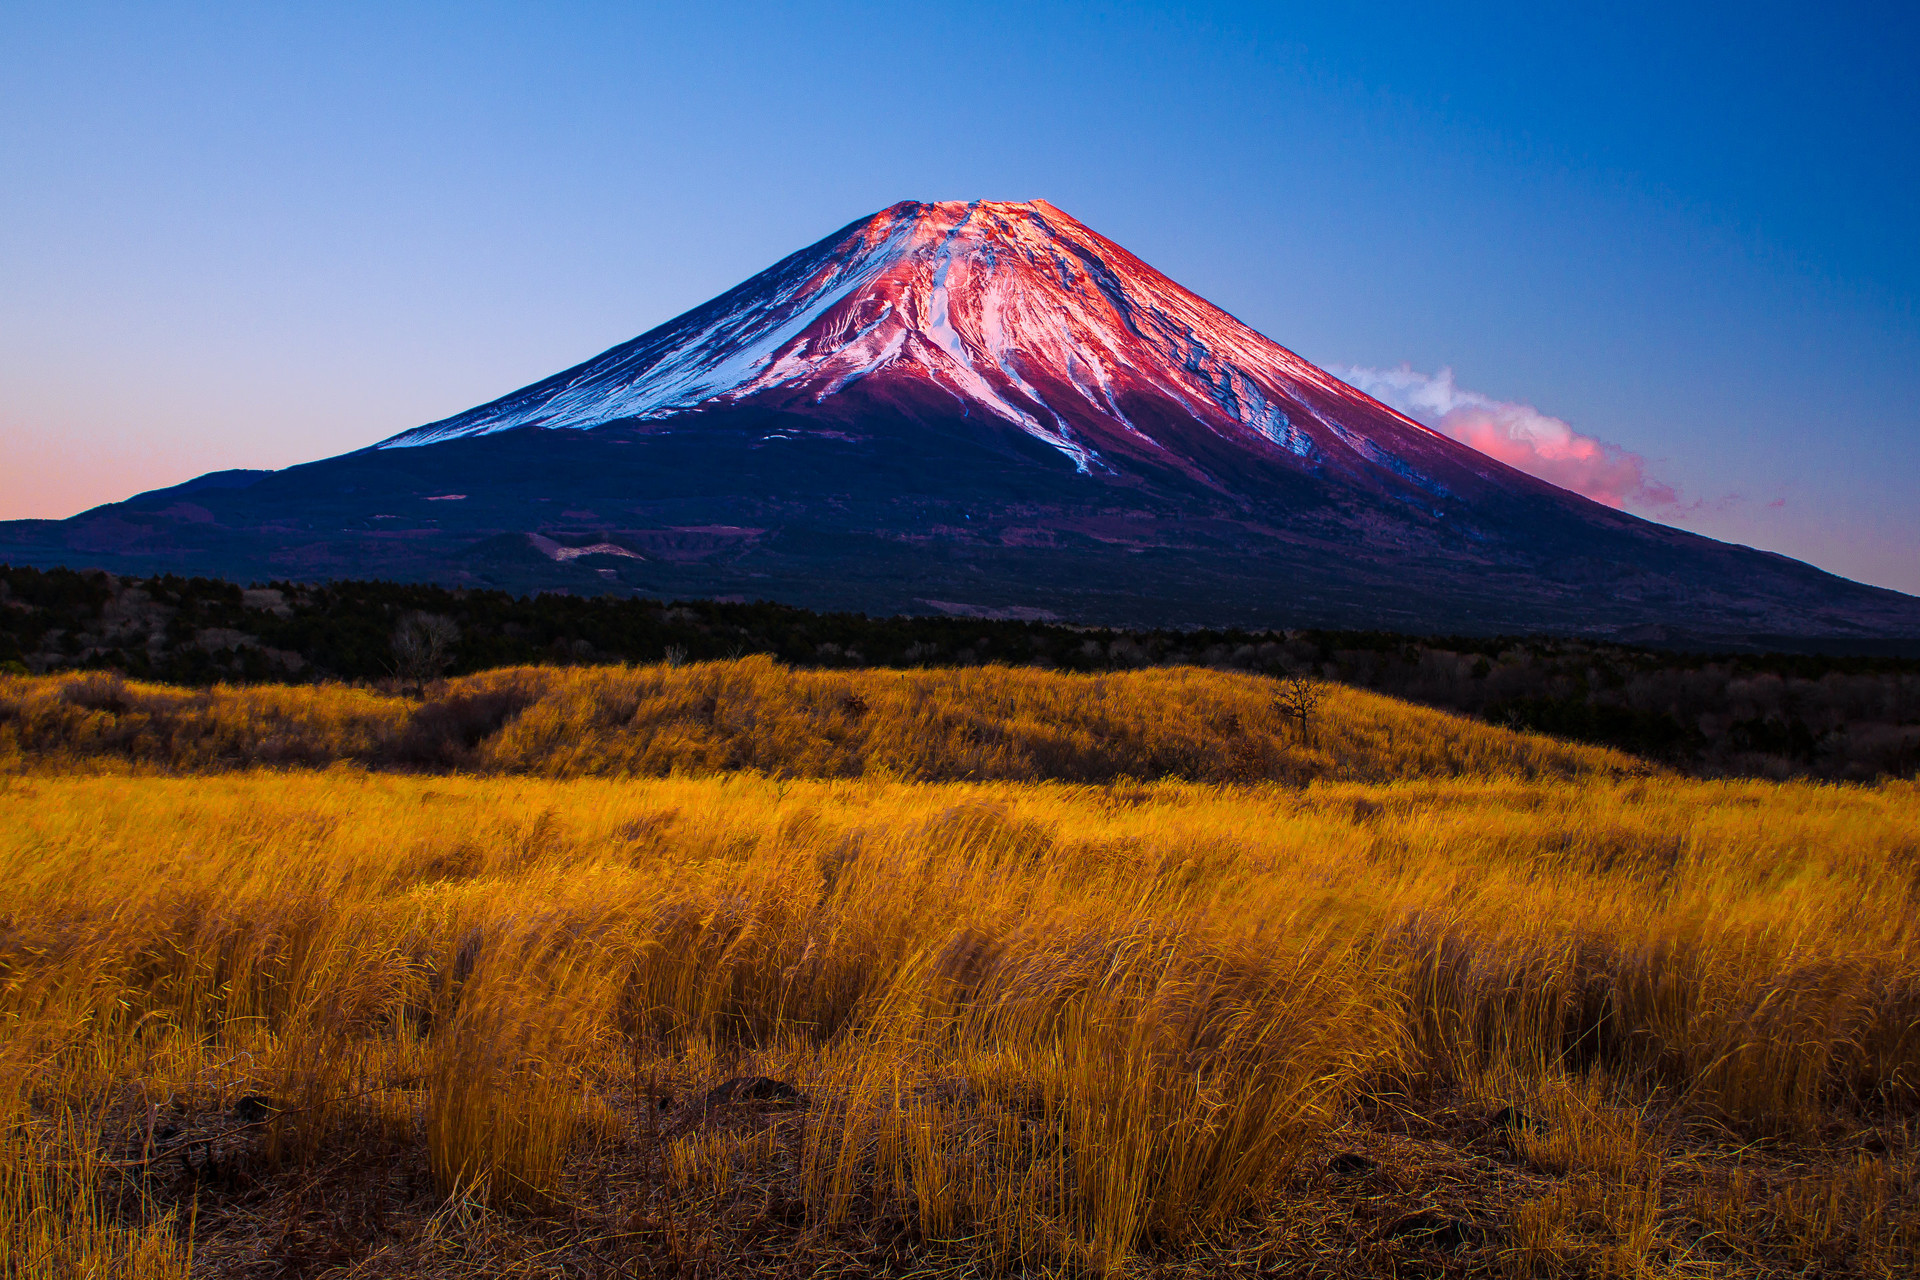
x=60, y=1217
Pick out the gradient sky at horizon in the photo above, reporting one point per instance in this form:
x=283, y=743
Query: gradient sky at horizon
x=249, y=236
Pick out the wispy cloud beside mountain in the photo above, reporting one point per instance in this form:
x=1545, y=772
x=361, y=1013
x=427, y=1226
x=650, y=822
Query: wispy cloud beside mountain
x=1519, y=435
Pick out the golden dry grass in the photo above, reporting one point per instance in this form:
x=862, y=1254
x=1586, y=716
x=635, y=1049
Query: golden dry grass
x=1539, y=1021
x=983, y=723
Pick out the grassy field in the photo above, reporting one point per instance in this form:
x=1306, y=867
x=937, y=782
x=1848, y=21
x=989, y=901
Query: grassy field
x=724, y=970
x=1013, y=724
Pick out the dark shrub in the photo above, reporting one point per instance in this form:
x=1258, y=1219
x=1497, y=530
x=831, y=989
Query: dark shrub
x=445, y=733
x=106, y=691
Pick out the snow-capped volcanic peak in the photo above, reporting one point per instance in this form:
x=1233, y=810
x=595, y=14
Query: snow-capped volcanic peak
x=892, y=420
x=1013, y=309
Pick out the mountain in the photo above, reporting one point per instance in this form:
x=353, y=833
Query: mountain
x=979, y=408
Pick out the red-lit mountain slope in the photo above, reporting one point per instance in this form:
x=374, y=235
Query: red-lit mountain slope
x=980, y=407
x=1015, y=313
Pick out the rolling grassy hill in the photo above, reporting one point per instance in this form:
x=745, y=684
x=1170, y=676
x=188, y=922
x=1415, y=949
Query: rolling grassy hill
x=929, y=725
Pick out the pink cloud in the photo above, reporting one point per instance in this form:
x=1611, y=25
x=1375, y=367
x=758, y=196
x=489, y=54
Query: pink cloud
x=1519, y=435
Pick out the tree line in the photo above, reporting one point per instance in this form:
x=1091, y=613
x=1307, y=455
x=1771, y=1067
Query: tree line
x=1757, y=714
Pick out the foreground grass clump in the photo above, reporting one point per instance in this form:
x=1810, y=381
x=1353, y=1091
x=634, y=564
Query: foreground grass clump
x=454, y=1025
x=980, y=724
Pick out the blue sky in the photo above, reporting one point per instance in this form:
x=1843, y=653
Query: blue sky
x=255, y=235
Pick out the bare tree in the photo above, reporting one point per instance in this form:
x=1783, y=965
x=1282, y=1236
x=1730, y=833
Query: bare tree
x=1299, y=701
x=423, y=646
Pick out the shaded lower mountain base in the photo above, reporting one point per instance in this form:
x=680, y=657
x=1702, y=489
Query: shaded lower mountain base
x=913, y=516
